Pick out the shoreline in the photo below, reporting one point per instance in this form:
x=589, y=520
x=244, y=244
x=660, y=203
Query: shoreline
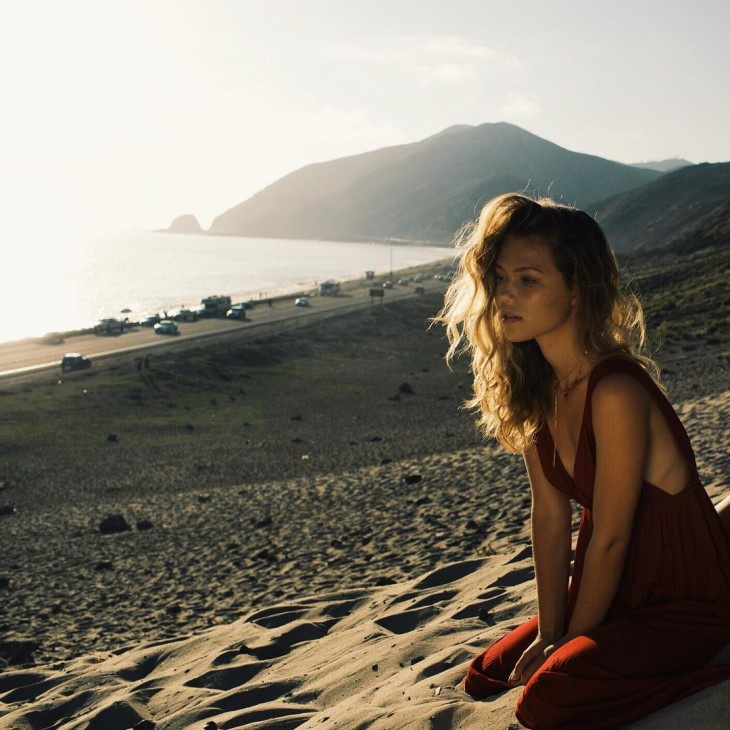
x=243, y=274
x=26, y=356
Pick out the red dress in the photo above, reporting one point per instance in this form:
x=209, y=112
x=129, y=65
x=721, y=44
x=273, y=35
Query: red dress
x=670, y=615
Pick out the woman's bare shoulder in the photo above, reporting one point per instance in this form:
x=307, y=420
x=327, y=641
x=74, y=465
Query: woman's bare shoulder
x=619, y=395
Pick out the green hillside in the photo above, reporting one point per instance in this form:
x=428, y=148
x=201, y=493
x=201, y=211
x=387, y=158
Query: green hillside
x=687, y=208
x=426, y=190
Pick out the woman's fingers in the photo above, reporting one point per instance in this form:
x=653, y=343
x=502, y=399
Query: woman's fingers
x=531, y=668
x=514, y=677
x=530, y=661
x=527, y=658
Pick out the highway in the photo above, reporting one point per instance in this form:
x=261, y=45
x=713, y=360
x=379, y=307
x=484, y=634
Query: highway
x=32, y=356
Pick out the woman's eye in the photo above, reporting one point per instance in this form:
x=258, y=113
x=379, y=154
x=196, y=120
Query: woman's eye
x=498, y=279
x=527, y=280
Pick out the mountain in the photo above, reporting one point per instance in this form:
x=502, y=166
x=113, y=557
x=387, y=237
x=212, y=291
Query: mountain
x=682, y=209
x=426, y=190
x=185, y=224
x=674, y=163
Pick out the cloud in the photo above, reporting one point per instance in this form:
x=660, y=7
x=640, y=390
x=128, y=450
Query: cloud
x=430, y=59
x=520, y=106
x=449, y=73
x=357, y=52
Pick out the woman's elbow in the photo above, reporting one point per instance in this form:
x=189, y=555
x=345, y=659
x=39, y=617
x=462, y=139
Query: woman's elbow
x=609, y=545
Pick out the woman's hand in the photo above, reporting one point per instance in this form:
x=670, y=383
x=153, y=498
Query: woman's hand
x=531, y=660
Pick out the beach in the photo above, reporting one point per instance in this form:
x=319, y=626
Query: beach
x=275, y=314
x=310, y=532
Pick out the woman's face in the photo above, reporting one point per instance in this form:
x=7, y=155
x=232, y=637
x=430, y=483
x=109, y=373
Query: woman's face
x=532, y=297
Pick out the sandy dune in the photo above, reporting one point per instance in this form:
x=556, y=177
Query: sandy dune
x=384, y=658
x=350, y=595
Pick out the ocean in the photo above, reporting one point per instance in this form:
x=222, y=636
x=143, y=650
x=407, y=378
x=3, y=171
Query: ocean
x=61, y=288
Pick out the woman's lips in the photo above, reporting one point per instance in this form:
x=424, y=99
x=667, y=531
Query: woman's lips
x=510, y=318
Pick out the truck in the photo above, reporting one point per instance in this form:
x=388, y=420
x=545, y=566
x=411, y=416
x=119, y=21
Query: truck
x=329, y=288
x=216, y=305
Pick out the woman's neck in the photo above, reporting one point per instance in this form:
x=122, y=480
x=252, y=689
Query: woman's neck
x=567, y=359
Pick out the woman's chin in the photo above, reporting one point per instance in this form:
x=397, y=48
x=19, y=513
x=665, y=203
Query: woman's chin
x=515, y=337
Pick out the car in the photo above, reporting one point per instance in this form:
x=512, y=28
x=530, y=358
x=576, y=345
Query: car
x=75, y=361
x=418, y=278
x=201, y=312
x=184, y=315
x=387, y=285
x=166, y=327
x=109, y=326
x=403, y=282
x=301, y=302
x=150, y=321
x=237, y=311
x=329, y=288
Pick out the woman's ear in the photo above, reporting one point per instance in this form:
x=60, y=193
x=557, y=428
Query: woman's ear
x=574, y=296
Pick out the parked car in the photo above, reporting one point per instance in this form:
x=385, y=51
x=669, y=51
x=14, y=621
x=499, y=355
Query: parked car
x=166, y=327
x=329, y=288
x=301, y=302
x=387, y=285
x=237, y=311
x=150, y=321
x=201, y=312
x=109, y=326
x=403, y=282
x=184, y=315
x=418, y=278
x=74, y=361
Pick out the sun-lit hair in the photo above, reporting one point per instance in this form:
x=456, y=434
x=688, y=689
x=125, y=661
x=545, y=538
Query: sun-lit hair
x=513, y=383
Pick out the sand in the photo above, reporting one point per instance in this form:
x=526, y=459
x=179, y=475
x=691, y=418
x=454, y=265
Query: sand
x=337, y=570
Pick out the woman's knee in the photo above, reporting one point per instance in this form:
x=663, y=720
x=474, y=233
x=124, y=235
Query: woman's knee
x=536, y=707
x=547, y=701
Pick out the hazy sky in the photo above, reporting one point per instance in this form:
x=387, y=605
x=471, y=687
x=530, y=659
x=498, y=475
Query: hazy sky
x=120, y=113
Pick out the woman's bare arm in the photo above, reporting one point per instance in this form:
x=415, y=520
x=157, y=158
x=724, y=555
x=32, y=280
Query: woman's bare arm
x=621, y=410
x=551, y=517
x=551, y=555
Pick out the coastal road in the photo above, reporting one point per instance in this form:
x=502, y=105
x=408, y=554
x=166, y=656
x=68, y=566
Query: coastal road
x=31, y=356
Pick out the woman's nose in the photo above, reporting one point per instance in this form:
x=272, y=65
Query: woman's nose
x=505, y=292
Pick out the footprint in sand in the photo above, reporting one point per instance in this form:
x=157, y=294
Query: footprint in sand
x=276, y=616
x=228, y=678
x=280, y=644
x=449, y=573
x=405, y=621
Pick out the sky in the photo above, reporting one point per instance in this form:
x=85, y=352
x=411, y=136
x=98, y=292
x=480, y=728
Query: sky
x=125, y=113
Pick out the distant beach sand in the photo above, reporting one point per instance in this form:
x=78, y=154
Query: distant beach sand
x=318, y=538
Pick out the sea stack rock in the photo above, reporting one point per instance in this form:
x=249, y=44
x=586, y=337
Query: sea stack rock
x=185, y=224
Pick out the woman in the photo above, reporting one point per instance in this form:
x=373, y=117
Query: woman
x=560, y=374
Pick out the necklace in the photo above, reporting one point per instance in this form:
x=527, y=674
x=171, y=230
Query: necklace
x=569, y=388
x=566, y=392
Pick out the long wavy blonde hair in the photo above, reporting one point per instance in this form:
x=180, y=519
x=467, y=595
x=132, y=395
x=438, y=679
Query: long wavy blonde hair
x=512, y=381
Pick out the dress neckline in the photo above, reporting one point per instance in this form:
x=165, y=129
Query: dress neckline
x=581, y=432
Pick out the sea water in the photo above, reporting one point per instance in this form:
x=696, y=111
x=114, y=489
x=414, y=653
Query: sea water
x=65, y=287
